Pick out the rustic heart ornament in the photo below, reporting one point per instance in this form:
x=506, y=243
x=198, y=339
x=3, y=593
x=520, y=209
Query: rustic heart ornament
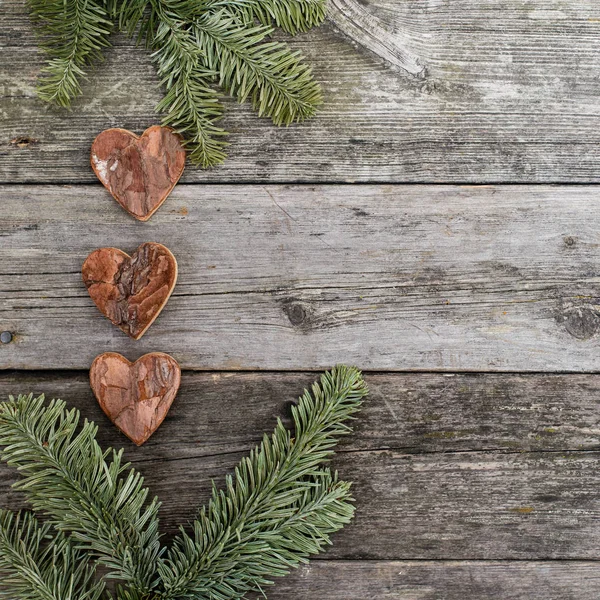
x=139, y=172
x=137, y=396
x=131, y=290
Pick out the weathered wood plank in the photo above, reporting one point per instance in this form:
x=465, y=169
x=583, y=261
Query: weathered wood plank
x=428, y=506
x=365, y=29
x=466, y=467
x=386, y=277
x=352, y=580
x=511, y=94
x=217, y=413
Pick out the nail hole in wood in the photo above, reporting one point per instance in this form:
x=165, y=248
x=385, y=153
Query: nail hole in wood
x=22, y=141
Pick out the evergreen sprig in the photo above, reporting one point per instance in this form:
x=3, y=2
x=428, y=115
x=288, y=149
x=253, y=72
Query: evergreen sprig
x=196, y=45
x=279, y=507
x=254, y=530
x=67, y=477
x=74, y=33
x=34, y=569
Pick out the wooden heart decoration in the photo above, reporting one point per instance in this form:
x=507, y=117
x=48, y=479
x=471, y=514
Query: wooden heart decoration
x=139, y=172
x=137, y=396
x=131, y=290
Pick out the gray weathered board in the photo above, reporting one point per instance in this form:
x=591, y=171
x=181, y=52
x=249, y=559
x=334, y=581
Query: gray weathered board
x=447, y=468
x=471, y=486
x=509, y=94
x=279, y=277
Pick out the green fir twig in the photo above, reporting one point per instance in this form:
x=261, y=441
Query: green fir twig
x=82, y=490
x=74, y=33
x=278, y=508
x=36, y=564
x=197, y=45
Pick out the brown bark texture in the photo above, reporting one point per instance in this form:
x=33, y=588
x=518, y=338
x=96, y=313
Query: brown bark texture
x=139, y=172
x=137, y=396
x=131, y=290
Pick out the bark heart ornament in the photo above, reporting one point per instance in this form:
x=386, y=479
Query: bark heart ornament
x=139, y=172
x=137, y=396
x=131, y=290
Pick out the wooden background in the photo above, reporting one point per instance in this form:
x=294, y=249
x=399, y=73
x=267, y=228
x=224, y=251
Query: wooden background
x=437, y=225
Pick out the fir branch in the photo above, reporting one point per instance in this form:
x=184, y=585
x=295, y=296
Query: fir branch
x=74, y=34
x=229, y=42
x=293, y=16
x=67, y=477
x=192, y=106
x=278, y=509
x=34, y=569
x=274, y=78
x=246, y=557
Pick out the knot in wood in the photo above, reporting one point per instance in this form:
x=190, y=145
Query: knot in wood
x=580, y=317
x=297, y=313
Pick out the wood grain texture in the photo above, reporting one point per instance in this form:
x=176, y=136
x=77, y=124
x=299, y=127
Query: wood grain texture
x=131, y=291
x=447, y=580
x=451, y=278
x=139, y=171
x=512, y=94
x=367, y=30
x=418, y=413
x=468, y=486
x=466, y=467
x=137, y=396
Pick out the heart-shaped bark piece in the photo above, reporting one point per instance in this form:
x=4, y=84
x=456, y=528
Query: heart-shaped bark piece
x=139, y=172
x=137, y=396
x=131, y=290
